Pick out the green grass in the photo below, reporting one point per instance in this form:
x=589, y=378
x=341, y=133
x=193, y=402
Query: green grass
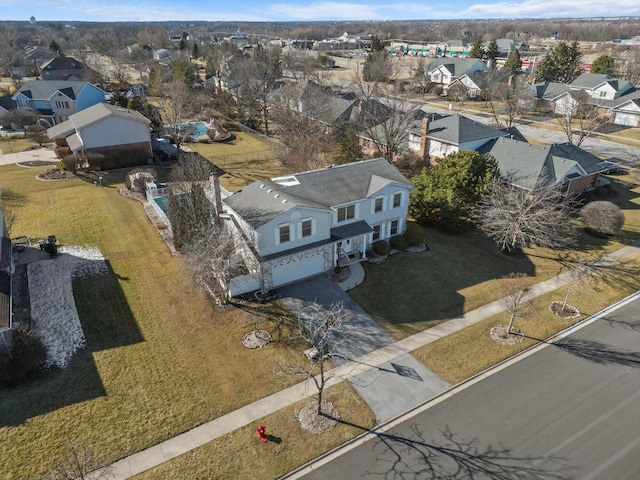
x=160, y=359
x=414, y=291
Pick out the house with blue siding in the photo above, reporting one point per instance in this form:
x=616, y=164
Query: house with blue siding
x=54, y=101
x=304, y=224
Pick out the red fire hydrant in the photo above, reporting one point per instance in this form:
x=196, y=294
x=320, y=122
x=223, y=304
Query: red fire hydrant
x=261, y=433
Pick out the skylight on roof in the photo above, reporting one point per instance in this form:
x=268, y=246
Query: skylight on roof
x=287, y=181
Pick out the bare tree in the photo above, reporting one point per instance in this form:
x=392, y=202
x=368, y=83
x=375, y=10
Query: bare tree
x=176, y=105
x=516, y=217
x=506, y=97
x=580, y=117
x=385, y=119
x=80, y=463
x=322, y=330
x=514, y=288
x=302, y=113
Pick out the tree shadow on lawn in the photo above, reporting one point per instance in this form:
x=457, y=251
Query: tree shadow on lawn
x=107, y=322
x=435, y=285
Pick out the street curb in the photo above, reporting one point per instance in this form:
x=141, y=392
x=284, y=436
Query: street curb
x=455, y=389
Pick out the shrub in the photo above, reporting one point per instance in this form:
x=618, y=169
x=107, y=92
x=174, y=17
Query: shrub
x=414, y=234
x=381, y=247
x=399, y=243
x=602, y=217
x=27, y=357
x=62, y=152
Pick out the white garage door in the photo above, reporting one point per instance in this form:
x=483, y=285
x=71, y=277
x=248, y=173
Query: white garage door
x=628, y=119
x=298, y=268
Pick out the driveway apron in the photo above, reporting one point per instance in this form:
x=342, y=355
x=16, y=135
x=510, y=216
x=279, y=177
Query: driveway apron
x=390, y=389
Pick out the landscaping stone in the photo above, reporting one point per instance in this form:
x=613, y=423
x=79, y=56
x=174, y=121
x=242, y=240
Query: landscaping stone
x=310, y=420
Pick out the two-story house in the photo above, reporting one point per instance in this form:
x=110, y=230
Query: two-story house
x=62, y=67
x=54, y=101
x=307, y=223
x=445, y=69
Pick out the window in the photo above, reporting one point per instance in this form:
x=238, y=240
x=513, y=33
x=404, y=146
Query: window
x=397, y=200
x=283, y=230
x=346, y=213
x=366, y=143
x=378, y=205
x=394, y=228
x=376, y=233
x=306, y=228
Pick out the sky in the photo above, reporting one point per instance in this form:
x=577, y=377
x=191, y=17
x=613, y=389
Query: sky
x=298, y=10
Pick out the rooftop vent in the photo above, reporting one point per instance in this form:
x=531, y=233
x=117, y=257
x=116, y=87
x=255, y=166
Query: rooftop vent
x=284, y=201
x=276, y=195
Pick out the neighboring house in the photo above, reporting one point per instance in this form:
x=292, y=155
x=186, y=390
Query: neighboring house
x=547, y=95
x=106, y=129
x=6, y=104
x=302, y=225
x=65, y=68
x=628, y=112
x=161, y=54
x=533, y=167
x=444, y=70
x=329, y=109
x=471, y=85
x=54, y=101
x=430, y=136
x=600, y=86
x=7, y=268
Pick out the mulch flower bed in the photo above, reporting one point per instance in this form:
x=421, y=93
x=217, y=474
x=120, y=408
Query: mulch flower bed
x=310, y=420
x=569, y=311
x=256, y=339
x=500, y=335
x=55, y=174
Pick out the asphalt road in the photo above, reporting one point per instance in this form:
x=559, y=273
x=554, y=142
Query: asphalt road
x=570, y=410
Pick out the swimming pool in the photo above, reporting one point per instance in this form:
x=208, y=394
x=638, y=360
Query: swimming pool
x=197, y=129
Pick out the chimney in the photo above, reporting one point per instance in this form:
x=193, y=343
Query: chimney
x=217, y=196
x=423, y=153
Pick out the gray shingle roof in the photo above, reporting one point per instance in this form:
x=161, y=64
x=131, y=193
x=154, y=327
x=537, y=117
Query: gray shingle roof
x=41, y=89
x=458, y=129
x=548, y=90
x=91, y=115
x=590, y=80
x=258, y=204
x=457, y=66
x=536, y=166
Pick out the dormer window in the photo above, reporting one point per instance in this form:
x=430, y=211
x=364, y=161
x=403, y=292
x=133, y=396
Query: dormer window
x=379, y=204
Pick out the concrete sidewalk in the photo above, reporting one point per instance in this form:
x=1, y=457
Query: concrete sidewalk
x=198, y=436
x=44, y=153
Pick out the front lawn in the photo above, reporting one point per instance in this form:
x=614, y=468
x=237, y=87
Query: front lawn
x=159, y=360
x=413, y=291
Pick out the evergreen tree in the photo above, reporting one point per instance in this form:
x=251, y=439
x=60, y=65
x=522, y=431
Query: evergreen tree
x=194, y=51
x=602, y=64
x=545, y=70
x=54, y=47
x=377, y=45
x=476, y=49
x=514, y=63
x=492, y=53
x=446, y=194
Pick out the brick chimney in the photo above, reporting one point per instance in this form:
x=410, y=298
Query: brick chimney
x=424, y=141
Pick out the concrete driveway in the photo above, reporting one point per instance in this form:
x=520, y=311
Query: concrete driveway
x=45, y=153
x=390, y=389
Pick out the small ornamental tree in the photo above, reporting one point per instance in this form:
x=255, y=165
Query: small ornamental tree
x=602, y=217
